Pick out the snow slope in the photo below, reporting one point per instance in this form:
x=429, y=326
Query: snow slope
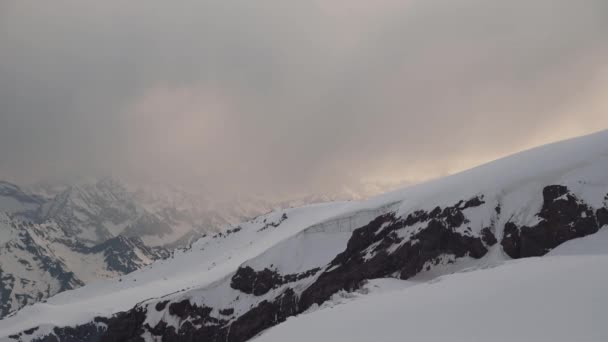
x=208, y=260
x=548, y=299
x=56, y=236
x=232, y=286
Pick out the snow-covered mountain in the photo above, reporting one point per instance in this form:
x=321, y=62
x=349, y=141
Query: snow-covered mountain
x=41, y=254
x=38, y=260
x=439, y=255
x=94, y=213
x=99, y=209
x=161, y=214
x=57, y=236
x=13, y=200
x=49, y=244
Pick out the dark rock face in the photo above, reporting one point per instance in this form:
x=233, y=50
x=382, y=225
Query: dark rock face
x=602, y=217
x=198, y=324
x=87, y=332
x=227, y=312
x=353, y=266
x=563, y=217
x=125, y=326
x=511, y=240
x=488, y=237
x=160, y=306
x=259, y=283
x=273, y=224
x=265, y=315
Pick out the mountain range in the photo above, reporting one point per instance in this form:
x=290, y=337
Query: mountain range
x=510, y=250
x=57, y=236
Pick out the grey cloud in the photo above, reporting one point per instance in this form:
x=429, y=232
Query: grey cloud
x=291, y=95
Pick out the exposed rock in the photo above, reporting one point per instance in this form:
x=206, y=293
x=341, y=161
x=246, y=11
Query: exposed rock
x=511, y=240
x=30, y=331
x=227, y=312
x=273, y=224
x=259, y=283
x=184, y=309
x=351, y=267
x=602, y=217
x=265, y=315
x=472, y=203
x=125, y=326
x=563, y=217
x=160, y=306
x=488, y=237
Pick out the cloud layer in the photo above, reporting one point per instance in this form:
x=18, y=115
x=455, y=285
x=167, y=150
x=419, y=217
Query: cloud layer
x=282, y=96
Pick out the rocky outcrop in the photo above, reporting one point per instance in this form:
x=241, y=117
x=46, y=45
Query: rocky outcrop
x=602, y=217
x=563, y=217
x=271, y=224
x=265, y=315
x=377, y=251
x=488, y=237
x=259, y=283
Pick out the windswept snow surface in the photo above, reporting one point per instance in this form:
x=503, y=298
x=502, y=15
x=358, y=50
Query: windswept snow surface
x=549, y=299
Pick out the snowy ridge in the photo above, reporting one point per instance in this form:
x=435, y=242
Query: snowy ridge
x=235, y=285
x=208, y=260
x=98, y=229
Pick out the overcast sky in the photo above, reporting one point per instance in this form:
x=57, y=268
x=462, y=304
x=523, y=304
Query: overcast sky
x=281, y=95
